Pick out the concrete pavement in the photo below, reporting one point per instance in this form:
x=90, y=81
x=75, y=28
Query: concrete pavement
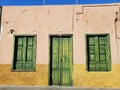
x=51, y=88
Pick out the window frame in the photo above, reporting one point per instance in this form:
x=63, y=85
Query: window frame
x=87, y=59
x=14, y=43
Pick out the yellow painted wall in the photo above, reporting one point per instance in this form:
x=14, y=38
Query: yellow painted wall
x=81, y=77
x=39, y=77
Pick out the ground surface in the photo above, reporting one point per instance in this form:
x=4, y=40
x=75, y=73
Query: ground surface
x=51, y=88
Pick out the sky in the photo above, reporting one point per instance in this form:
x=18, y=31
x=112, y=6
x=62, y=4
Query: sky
x=54, y=2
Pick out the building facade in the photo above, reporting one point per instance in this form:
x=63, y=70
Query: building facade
x=64, y=45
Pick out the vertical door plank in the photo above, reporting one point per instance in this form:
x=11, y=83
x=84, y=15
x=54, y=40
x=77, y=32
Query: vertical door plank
x=55, y=61
x=65, y=62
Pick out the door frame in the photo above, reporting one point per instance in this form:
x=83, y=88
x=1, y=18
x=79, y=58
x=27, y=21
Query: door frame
x=49, y=61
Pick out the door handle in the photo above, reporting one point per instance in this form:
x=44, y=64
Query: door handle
x=61, y=60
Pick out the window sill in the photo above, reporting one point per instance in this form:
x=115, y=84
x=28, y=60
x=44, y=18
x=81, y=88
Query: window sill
x=23, y=71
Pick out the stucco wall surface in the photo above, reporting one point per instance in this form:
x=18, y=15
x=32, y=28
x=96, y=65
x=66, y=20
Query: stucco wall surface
x=56, y=20
x=44, y=21
x=39, y=77
x=81, y=77
x=84, y=78
x=94, y=20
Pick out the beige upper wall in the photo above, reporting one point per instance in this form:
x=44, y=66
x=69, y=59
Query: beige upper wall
x=42, y=21
x=49, y=20
x=94, y=20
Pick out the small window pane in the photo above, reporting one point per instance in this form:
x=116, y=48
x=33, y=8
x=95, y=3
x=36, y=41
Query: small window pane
x=102, y=49
x=102, y=57
x=92, y=57
x=92, y=49
x=20, y=41
x=91, y=40
x=102, y=40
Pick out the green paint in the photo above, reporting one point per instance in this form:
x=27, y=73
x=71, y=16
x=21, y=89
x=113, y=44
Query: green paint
x=98, y=53
x=24, y=53
x=61, y=60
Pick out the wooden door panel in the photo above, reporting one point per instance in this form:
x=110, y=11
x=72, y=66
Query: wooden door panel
x=55, y=61
x=65, y=56
x=65, y=78
x=55, y=77
x=55, y=53
x=61, y=54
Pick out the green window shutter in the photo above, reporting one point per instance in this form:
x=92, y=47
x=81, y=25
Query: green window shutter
x=98, y=53
x=29, y=53
x=108, y=57
x=19, y=55
x=92, y=52
x=102, y=53
x=24, y=53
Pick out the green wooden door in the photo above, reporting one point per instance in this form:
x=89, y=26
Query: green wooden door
x=61, y=61
x=24, y=53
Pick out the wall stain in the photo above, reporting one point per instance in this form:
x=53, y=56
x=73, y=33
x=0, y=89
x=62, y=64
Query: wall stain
x=24, y=10
x=6, y=22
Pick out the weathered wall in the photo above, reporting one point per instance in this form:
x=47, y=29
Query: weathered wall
x=81, y=77
x=42, y=21
x=38, y=77
x=58, y=19
x=50, y=20
x=93, y=20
